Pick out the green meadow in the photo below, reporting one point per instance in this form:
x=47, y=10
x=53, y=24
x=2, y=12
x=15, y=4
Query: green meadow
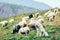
x=53, y=29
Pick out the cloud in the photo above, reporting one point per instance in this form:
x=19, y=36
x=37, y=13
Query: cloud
x=52, y=3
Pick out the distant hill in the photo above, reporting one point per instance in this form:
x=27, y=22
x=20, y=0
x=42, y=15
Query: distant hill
x=10, y=9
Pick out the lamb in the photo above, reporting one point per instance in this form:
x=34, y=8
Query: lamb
x=51, y=16
x=37, y=14
x=11, y=20
x=24, y=30
x=39, y=17
x=56, y=11
x=47, y=13
x=4, y=23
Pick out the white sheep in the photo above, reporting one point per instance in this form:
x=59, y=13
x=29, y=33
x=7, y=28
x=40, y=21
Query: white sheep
x=40, y=30
x=51, y=16
x=19, y=25
x=47, y=13
x=25, y=18
x=32, y=23
x=56, y=11
x=39, y=17
x=11, y=20
x=41, y=20
x=4, y=23
x=22, y=23
x=37, y=14
x=24, y=30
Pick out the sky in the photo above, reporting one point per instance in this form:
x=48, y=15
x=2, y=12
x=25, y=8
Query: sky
x=52, y=3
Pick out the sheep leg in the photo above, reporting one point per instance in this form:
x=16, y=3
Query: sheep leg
x=44, y=32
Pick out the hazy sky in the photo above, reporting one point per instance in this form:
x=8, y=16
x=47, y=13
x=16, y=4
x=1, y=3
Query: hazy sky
x=52, y=3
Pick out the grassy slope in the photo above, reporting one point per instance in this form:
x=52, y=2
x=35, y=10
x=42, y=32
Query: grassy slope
x=52, y=28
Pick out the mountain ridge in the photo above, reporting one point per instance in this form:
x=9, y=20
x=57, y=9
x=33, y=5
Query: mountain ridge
x=10, y=9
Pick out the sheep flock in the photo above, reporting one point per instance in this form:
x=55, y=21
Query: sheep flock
x=31, y=22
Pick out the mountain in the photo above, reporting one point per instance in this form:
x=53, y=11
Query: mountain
x=10, y=9
x=29, y=3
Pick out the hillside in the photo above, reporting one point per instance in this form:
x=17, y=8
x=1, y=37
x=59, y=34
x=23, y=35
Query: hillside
x=53, y=29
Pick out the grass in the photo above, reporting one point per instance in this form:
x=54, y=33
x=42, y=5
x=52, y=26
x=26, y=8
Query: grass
x=53, y=29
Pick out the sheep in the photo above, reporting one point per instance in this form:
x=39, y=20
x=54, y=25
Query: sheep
x=51, y=16
x=40, y=30
x=16, y=29
x=24, y=30
x=56, y=11
x=19, y=25
x=47, y=13
x=25, y=18
x=37, y=14
x=11, y=20
x=40, y=19
x=32, y=23
x=4, y=23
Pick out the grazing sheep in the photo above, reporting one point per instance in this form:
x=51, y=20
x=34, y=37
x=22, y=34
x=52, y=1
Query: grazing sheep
x=4, y=23
x=41, y=20
x=56, y=11
x=51, y=16
x=40, y=30
x=25, y=18
x=37, y=14
x=24, y=30
x=32, y=23
x=16, y=29
x=51, y=19
x=47, y=13
x=11, y=20
x=39, y=17
x=19, y=25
